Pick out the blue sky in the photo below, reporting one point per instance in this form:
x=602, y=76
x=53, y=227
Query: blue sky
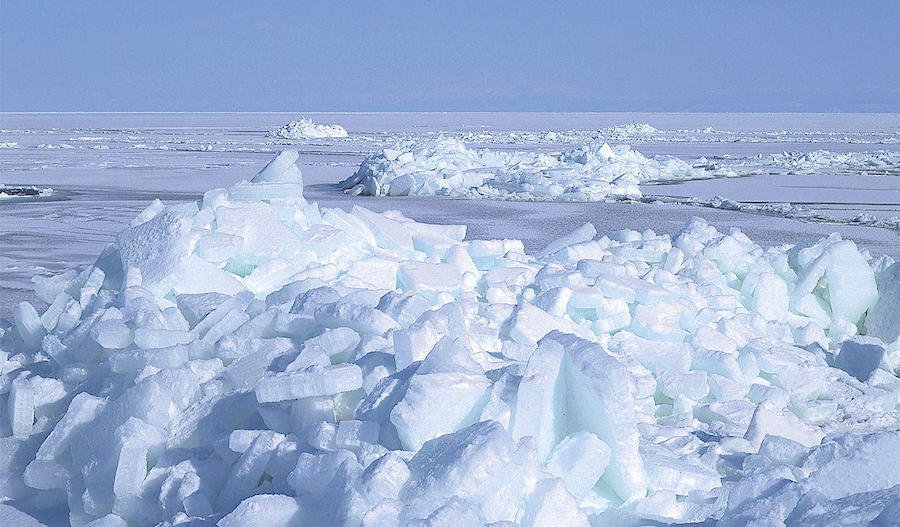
x=434, y=56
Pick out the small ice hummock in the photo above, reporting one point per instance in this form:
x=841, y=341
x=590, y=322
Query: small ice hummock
x=307, y=129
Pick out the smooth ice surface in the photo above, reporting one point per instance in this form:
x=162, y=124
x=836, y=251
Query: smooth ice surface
x=358, y=368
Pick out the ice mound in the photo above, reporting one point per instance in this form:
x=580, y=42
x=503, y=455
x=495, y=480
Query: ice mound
x=307, y=129
x=252, y=359
x=447, y=167
x=631, y=130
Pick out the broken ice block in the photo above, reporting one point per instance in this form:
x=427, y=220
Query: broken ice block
x=311, y=382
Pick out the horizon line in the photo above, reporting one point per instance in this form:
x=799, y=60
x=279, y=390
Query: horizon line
x=363, y=112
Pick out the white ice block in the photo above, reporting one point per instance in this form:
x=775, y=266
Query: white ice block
x=541, y=401
x=312, y=382
x=157, y=247
x=131, y=470
x=436, y=404
x=550, y=505
x=20, y=408
x=82, y=410
x=112, y=334
x=768, y=419
x=883, y=319
x=282, y=169
x=579, y=460
x=264, y=510
x=530, y=324
x=152, y=338
x=422, y=276
x=29, y=325
x=851, y=282
x=600, y=399
x=582, y=234
x=246, y=473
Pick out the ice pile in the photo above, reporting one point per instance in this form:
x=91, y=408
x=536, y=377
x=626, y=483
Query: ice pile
x=307, y=129
x=631, y=130
x=447, y=167
x=252, y=359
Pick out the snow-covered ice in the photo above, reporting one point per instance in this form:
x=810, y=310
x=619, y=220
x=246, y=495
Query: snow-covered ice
x=307, y=129
x=255, y=358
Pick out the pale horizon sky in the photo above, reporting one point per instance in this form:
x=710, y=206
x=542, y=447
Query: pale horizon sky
x=276, y=55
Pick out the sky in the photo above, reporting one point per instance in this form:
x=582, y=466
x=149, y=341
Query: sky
x=449, y=56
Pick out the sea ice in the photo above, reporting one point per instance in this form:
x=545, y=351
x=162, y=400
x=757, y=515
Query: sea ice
x=250, y=359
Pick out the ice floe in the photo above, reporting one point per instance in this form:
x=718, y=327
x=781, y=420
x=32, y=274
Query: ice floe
x=253, y=359
x=447, y=167
x=307, y=129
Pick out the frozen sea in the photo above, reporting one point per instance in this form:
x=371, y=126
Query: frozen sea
x=105, y=168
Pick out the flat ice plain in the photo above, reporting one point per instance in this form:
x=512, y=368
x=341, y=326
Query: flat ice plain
x=737, y=388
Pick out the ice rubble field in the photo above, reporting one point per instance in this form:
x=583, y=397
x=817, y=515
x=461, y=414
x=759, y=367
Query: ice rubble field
x=447, y=167
x=307, y=129
x=252, y=359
